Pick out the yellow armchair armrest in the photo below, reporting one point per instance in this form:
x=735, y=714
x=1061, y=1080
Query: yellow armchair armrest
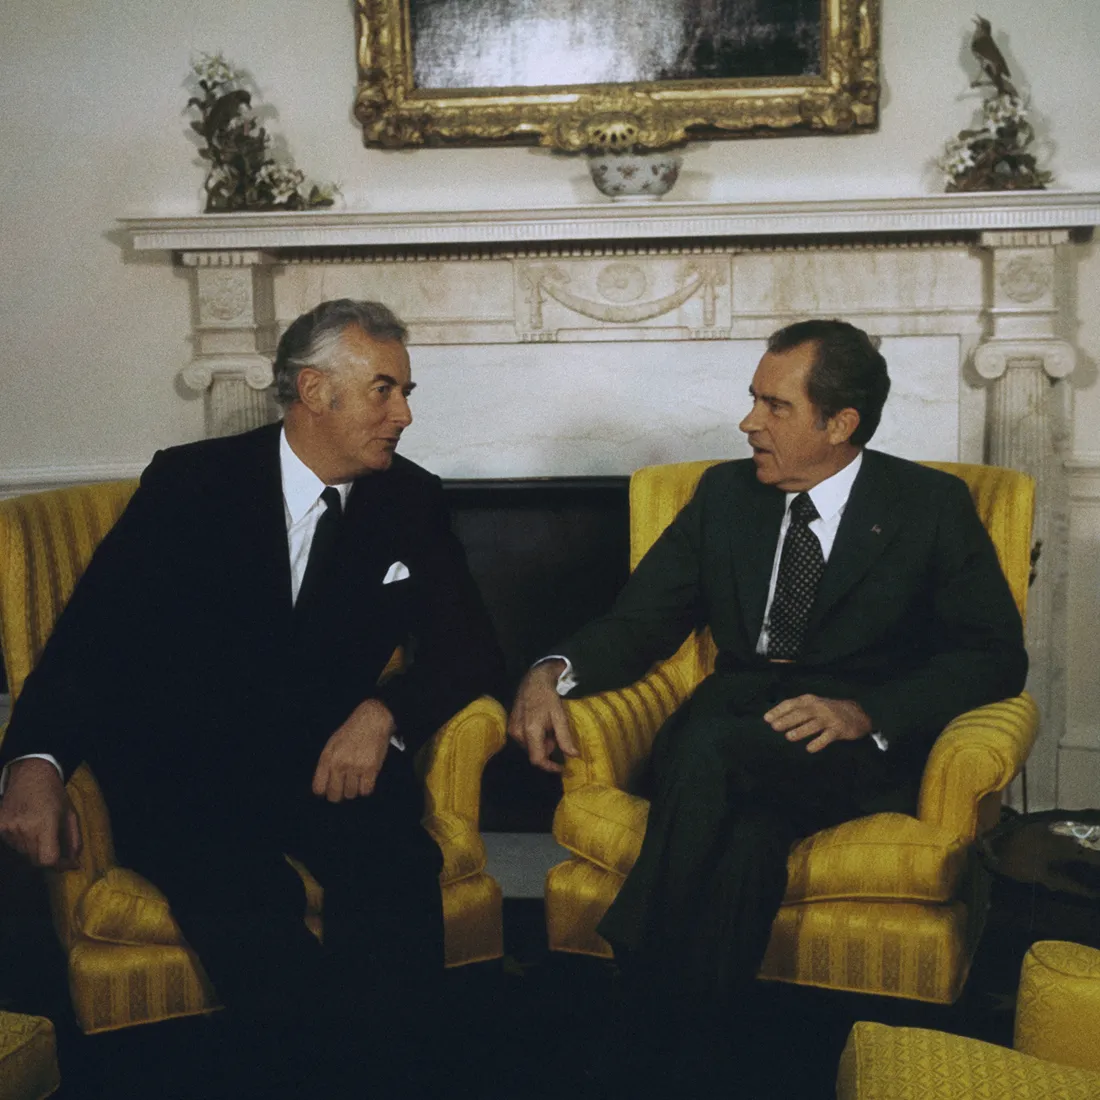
x=975, y=758
x=97, y=855
x=603, y=825
x=615, y=730
x=453, y=761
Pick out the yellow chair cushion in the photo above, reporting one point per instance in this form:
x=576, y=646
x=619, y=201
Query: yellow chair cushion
x=882, y=857
x=890, y=857
x=28, y=1057
x=906, y=1063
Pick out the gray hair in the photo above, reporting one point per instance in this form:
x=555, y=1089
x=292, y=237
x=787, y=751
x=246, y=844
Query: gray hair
x=312, y=339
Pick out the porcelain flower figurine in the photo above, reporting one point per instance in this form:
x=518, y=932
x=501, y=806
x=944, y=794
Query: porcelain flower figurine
x=995, y=156
x=244, y=174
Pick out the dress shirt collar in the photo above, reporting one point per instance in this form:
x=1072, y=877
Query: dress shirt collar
x=831, y=495
x=301, y=486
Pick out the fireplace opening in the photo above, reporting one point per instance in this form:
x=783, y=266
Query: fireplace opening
x=548, y=555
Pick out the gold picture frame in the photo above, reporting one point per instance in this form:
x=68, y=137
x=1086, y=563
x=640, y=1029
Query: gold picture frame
x=409, y=96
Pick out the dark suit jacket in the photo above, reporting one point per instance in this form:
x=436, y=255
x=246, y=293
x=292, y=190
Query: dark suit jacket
x=177, y=669
x=913, y=618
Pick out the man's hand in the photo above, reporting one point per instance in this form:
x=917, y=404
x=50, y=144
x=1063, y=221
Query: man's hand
x=36, y=817
x=829, y=719
x=538, y=720
x=349, y=763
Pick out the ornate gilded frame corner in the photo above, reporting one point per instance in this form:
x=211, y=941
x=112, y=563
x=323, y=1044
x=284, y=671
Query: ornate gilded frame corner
x=843, y=98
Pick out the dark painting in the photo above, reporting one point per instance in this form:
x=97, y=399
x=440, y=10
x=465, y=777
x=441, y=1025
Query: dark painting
x=557, y=43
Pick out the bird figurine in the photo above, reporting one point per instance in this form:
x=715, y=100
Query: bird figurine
x=990, y=58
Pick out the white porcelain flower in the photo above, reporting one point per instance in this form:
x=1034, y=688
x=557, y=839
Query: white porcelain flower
x=215, y=70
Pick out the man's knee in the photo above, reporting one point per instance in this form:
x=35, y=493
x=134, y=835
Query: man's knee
x=222, y=885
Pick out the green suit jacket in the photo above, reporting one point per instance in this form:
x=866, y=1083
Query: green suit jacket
x=913, y=618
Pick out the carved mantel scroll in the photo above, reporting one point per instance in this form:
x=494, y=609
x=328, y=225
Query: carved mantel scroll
x=624, y=293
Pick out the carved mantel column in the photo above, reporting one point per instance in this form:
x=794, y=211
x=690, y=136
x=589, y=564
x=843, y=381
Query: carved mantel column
x=234, y=338
x=1026, y=362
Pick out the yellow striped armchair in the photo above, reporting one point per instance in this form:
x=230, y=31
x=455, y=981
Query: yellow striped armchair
x=128, y=963
x=889, y=903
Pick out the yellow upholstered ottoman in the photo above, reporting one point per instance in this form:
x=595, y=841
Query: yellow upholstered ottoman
x=1057, y=1056
x=28, y=1057
x=911, y=1063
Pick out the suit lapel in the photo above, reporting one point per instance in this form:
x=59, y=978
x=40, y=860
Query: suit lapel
x=363, y=549
x=368, y=531
x=262, y=533
x=754, y=531
x=871, y=520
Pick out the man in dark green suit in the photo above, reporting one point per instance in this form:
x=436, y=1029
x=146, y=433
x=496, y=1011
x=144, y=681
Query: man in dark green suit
x=857, y=606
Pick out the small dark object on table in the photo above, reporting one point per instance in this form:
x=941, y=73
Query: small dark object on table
x=1049, y=876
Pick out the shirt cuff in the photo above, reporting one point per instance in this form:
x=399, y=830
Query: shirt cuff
x=567, y=681
x=879, y=739
x=29, y=756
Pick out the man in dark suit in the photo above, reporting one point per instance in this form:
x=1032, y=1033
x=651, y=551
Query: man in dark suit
x=218, y=666
x=857, y=606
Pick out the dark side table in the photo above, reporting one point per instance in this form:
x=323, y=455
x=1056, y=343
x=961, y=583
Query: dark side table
x=1046, y=881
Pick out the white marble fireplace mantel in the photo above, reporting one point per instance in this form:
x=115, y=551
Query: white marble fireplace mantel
x=593, y=339
x=610, y=221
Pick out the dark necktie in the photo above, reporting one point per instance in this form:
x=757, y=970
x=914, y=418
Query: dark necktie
x=801, y=566
x=324, y=535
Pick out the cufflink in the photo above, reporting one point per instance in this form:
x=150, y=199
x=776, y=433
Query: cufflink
x=399, y=571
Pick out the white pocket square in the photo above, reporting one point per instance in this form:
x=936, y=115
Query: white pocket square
x=399, y=571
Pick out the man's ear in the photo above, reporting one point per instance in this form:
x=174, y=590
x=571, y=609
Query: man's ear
x=842, y=425
x=313, y=389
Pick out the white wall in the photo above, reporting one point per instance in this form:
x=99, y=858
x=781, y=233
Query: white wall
x=94, y=127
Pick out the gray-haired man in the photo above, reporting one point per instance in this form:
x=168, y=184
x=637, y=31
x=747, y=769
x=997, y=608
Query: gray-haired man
x=223, y=685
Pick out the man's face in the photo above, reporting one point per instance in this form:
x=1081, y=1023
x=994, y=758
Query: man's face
x=792, y=448
x=366, y=404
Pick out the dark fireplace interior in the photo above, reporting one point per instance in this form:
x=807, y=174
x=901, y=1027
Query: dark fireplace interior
x=548, y=554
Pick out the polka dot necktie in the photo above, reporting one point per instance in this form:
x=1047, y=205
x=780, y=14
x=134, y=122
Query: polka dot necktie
x=801, y=566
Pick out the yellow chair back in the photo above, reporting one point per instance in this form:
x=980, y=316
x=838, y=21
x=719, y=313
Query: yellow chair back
x=46, y=542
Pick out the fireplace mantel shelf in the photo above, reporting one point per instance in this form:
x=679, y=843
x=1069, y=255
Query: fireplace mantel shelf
x=1020, y=211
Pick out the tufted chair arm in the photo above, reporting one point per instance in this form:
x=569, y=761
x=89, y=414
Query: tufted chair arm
x=615, y=729
x=453, y=761
x=97, y=856
x=973, y=761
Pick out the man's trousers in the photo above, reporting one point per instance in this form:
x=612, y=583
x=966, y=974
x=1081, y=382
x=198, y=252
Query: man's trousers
x=729, y=796
x=350, y=1014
